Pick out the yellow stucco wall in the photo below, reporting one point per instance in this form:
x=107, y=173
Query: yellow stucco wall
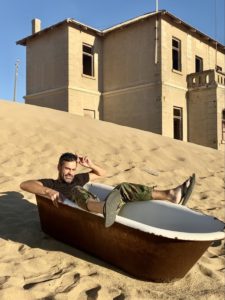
x=79, y=101
x=76, y=78
x=55, y=98
x=202, y=117
x=47, y=70
x=84, y=91
x=174, y=83
x=128, y=87
x=47, y=61
x=206, y=101
x=191, y=46
x=131, y=79
x=220, y=107
x=173, y=96
x=138, y=108
x=129, y=56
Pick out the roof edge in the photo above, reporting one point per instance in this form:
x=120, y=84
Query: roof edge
x=134, y=20
x=23, y=41
x=85, y=27
x=194, y=30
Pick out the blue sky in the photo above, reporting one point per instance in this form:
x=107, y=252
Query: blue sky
x=16, y=15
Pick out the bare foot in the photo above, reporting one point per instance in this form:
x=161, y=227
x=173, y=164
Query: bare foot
x=176, y=194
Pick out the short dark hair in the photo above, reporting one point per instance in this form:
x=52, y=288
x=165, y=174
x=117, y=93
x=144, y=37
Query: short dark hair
x=67, y=157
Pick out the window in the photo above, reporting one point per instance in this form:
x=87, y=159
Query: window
x=198, y=64
x=223, y=125
x=176, y=54
x=178, y=123
x=218, y=68
x=88, y=60
x=89, y=113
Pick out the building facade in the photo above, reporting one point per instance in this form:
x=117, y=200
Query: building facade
x=154, y=72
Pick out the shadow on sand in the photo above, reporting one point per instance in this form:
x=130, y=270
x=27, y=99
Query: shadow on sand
x=19, y=222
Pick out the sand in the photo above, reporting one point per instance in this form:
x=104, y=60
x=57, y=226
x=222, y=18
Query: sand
x=35, y=266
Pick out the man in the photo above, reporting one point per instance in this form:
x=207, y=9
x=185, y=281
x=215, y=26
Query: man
x=70, y=185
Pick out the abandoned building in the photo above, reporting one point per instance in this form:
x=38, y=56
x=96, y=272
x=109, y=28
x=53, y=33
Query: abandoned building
x=154, y=72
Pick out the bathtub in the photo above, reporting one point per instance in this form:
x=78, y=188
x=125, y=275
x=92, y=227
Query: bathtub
x=150, y=240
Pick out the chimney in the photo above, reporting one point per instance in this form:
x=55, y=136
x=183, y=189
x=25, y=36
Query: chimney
x=36, y=25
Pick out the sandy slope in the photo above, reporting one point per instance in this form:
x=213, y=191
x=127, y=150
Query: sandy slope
x=35, y=266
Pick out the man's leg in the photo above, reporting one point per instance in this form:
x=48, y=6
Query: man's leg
x=90, y=202
x=96, y=207
x=131, y=192
x=179, y=194
x=87, y=200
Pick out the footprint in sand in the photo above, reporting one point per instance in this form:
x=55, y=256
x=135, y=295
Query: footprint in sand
x=85, y=290
x=93, y=293
x=203, y=197
x=3, y=280
x=181, y=158
x=59, y=282
x=119, y=297
x=205, y=271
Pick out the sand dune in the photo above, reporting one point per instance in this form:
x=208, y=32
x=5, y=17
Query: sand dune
x=34, y=265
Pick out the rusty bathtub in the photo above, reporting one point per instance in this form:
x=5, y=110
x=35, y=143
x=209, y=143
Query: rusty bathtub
x=150, y=240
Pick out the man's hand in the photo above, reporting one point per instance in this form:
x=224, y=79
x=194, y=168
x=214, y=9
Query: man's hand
x=37, y=188
x=55, y=196
x=84, y=161
x=95, y=172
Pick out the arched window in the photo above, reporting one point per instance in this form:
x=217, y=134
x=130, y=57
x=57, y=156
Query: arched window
x=223, y=125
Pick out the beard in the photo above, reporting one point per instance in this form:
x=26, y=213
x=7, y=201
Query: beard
x=66, y=178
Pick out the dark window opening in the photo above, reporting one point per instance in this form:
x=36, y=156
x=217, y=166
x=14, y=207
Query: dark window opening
x=88, y=60
x=223, y=125
x=198, y=64
x=177, y=123
x=176, y=54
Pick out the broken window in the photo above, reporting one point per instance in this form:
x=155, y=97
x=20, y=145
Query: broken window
x=218, y=68
x=176, y=54
x=178, y=123
x=223, y=125
x=198, y=64
x=88, y=60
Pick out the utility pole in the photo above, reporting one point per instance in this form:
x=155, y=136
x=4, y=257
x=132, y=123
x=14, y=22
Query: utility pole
x=156, y=5
x=215, y=17
x=16, y=76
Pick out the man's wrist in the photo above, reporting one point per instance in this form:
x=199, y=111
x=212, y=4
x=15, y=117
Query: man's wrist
x=46, y=191
x=92, y=166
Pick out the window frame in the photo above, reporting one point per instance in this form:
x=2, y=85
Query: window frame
x=223, y=126
x=200, y=59
x=88, y=110
x=89, y=55
x=179, y=56
x=180, y=119
x=219, y=69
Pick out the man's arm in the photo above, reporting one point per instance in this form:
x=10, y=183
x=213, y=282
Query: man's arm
x=36, y=187
x=95, y=172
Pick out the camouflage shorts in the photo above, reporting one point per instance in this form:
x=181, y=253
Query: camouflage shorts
x=131, y=192
x=80, y=196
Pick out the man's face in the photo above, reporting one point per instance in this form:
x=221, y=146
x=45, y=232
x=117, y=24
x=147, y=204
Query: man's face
x=67, y=171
